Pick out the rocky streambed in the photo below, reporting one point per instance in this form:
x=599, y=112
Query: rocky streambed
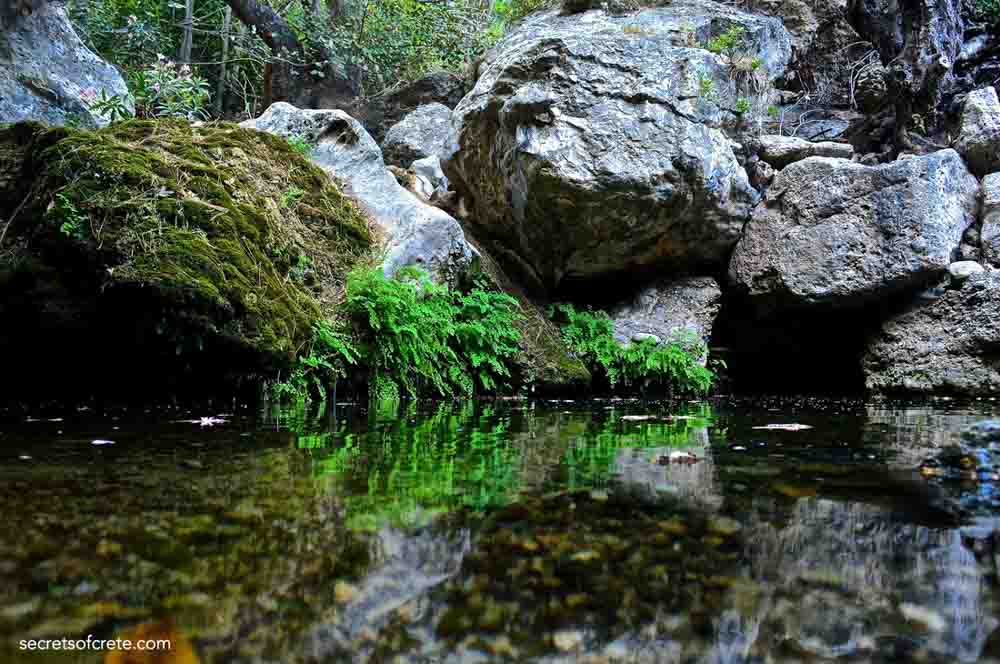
x=607, y=531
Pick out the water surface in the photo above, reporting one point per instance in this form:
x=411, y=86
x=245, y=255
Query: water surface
x=508, y=531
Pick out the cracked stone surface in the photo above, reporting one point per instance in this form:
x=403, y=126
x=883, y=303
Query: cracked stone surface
x=594, y=144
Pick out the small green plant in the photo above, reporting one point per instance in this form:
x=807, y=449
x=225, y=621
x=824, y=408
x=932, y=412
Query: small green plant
x=302, y=269
x=674, y=365
x=72, y=222
x=729, y=43
x=705, y=86
x=114, y=107
x=742, y=105
x=291, y=197
x=428, y=338
x=300, y=145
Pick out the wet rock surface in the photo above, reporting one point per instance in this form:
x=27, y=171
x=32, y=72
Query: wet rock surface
x=990, y=211
x=668, y=310
x=979, y=138
x=779, y=151
x=837, y=233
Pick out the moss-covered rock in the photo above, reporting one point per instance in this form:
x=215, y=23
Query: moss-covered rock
x=166, y=253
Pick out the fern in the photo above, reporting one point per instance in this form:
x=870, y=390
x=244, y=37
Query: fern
x=319, y=366
x=674, y=365
x=425, y=337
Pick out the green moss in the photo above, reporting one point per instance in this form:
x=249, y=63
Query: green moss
x=192, y=213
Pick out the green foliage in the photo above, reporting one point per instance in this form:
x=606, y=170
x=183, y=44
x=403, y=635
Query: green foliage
x=705, y=85
x=383, y=42
x=426, y=337
x=73, y=224
x=291, y=197
x=989, y=10
x=318, y=367
x=673, y=365
x=114, y=107
x=300, y=145
x=166, y=89
x=728, y=43
x=742, y=105
x=511, y=11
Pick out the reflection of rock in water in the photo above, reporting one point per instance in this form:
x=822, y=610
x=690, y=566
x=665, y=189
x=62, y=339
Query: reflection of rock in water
x=408, y=565
x=912, y=432
x=637, y=474
x=841, y=571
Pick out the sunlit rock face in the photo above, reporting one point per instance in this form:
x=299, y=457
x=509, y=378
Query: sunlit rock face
x=49, y=75
x=594, y=143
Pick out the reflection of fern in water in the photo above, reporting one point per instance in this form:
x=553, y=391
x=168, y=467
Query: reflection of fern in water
x=408, y=465
x=590, y=461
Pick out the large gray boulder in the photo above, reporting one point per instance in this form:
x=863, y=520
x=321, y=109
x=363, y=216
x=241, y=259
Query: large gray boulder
x=944, y=342
x=426, y=132
x=48, y=74
x=668, y=309
x=990, y=232
x=979, y=138
x=837, y=233
x=415, y=233
x=593, y=143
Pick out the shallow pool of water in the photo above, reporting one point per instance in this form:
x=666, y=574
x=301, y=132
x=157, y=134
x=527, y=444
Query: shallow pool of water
x=508, y=531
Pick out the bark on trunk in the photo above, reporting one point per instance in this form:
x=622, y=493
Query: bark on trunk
x=284, y=45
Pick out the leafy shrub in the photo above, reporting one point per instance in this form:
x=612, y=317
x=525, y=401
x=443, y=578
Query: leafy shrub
x=425, y=337
x=166, y=89
x=989, y=10
x=674, y=365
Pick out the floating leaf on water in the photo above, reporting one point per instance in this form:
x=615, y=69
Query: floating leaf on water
x=785, y=427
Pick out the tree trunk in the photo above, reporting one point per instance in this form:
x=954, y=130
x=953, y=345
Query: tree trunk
x=280, y=38
x=220, y=90
x=188, y=40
